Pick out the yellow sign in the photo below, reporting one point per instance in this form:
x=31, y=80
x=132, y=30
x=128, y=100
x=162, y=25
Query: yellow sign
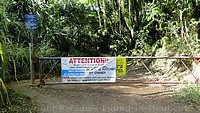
x=121, y=66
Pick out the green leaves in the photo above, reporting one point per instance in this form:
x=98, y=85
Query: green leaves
x=127, y=26
x=152, y=12
x=1, y=52
x=189, y=95
x=3, y=90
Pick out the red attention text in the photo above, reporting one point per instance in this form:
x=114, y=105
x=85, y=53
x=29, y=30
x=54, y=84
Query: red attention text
x=88, y=60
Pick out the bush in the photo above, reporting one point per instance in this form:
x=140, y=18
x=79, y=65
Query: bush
x=189, y=95
x=89, y=52
x=12, y=102
x=4, y=99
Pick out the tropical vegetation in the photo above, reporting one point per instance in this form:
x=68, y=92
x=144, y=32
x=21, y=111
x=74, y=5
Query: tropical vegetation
x=92, y=27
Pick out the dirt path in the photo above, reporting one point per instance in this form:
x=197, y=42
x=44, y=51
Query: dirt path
x=126, y=96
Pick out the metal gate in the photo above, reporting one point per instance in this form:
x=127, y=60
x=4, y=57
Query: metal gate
x=143, y=63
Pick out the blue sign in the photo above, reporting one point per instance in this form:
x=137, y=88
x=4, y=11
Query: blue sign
x=73, y=72
x=30, y=21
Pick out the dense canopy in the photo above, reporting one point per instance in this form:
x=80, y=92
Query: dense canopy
x=92, y=27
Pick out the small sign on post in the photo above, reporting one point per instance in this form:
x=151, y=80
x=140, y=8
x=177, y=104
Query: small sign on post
x=31, y=23
x=121, y=66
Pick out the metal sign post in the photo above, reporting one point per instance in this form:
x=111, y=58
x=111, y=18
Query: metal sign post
x=31, y=24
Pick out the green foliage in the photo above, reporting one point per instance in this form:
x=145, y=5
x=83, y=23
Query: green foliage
x=17, y=103
x=167, y=26
x=71, y=27
x=3, y=62
x=3, y=94
x=86, y=53
x=189, y=95
x=44, y=49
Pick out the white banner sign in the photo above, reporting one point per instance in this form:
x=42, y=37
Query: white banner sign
x=88, y=69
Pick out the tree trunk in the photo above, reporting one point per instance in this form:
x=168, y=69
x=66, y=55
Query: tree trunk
x=135, y=9
x=124, y=23
x=98, y=12
x=104, y=15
